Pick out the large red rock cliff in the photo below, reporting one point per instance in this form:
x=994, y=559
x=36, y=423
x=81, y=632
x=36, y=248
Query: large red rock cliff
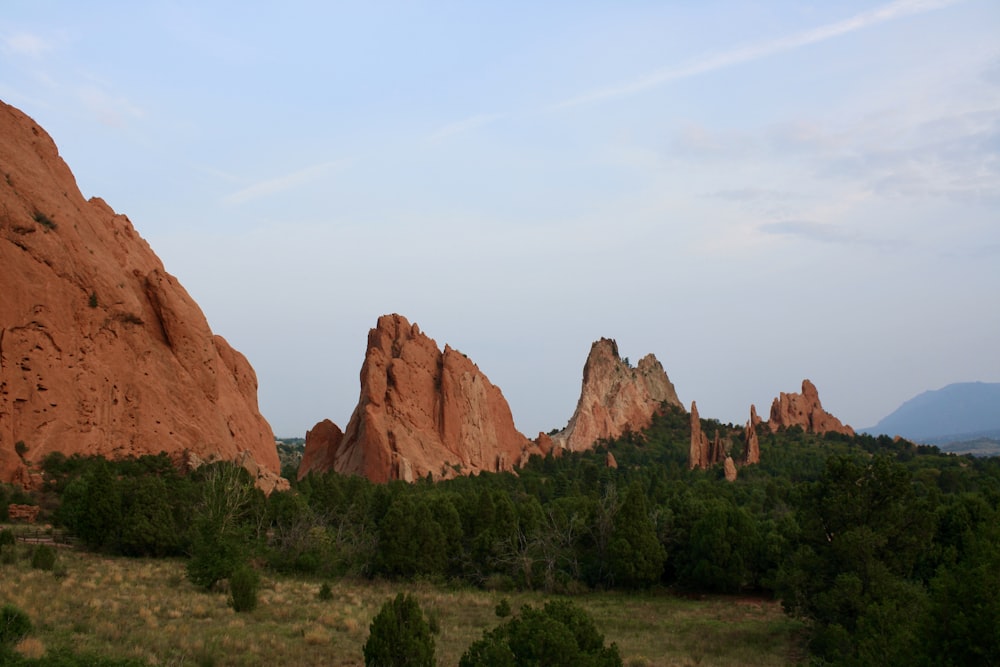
x=806, y=411
x=615, y=397
x=421, y=411
x=101, y=350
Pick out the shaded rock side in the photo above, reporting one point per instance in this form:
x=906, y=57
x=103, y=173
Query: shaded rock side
x=422, y=411
x=101, y=350
x=615, y=397
x=804, y=410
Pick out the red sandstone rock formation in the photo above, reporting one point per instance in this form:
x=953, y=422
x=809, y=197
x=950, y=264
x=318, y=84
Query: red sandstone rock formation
x=421, y=411
x=26, y=513
x=321, y=443
x=101, y=350
x=699, y=453
x=751, y=443
x=729, y=468
x=806, y=411
x=610, y=461
x=615, y=397
x=704, y=453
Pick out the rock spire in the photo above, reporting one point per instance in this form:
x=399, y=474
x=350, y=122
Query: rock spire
x=615, y=397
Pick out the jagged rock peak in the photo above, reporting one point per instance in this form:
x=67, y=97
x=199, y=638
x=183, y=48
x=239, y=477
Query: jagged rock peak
x=102, y=352
x=421, y=411
x=804, y=410
x=615, y=397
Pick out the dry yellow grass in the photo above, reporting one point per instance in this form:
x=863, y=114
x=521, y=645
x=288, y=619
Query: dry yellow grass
x=148, y=610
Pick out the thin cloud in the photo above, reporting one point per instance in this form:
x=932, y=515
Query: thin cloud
x=108, y=109
x=465, y=125
x=889, y=12
x=825, y=233
x=281, y=183
x=26, y=44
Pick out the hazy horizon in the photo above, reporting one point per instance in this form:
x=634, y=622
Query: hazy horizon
x=754, y=194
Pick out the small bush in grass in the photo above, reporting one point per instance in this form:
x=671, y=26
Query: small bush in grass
x=243, y=585
x=399, y=636
x=6, y=537
x=325, y=593
x=14, y=625
x=43, y=557
x=559, y=634
x=502, y=609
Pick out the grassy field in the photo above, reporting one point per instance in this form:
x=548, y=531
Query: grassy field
x=147, y=609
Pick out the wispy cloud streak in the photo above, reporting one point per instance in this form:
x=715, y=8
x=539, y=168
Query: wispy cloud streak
x=889, y=12
x=281, y=183
x=26, y=44
x=465, y=125
x=826, y=233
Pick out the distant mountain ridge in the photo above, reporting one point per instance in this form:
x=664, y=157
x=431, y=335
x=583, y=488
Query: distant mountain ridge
x=960, y=411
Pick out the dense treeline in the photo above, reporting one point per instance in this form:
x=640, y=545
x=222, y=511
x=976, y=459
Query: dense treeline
x=890, y=549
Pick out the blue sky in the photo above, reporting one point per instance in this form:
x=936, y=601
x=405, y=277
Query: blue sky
x=756, y=192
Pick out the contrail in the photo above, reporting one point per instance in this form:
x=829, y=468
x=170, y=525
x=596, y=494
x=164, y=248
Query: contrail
x=889, y=12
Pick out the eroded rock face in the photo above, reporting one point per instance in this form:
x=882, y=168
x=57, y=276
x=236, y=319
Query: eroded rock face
x=615, y=397
x=101, y=350
x=423, y=411
x=804, y=410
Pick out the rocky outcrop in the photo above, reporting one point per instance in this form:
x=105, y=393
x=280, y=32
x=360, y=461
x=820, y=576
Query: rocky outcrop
x=698, y=453
x=729, y=469
x=804, y=410
x=751, y=441
x=610, y=461
x=101, y=350
x=615, y=397
x=704, y=453
x=322, y=442
x=421, y=411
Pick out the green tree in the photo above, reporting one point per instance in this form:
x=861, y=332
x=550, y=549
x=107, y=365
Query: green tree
x=399, y=636
x=243, y=584
x=863, y=529
x=149, y=528
x=964, y=617
x=721, y=552
x=222, y=524
x=411, y=541
x=92, y=506
x=635, y=553
x=560, y=634
x=14, y=625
